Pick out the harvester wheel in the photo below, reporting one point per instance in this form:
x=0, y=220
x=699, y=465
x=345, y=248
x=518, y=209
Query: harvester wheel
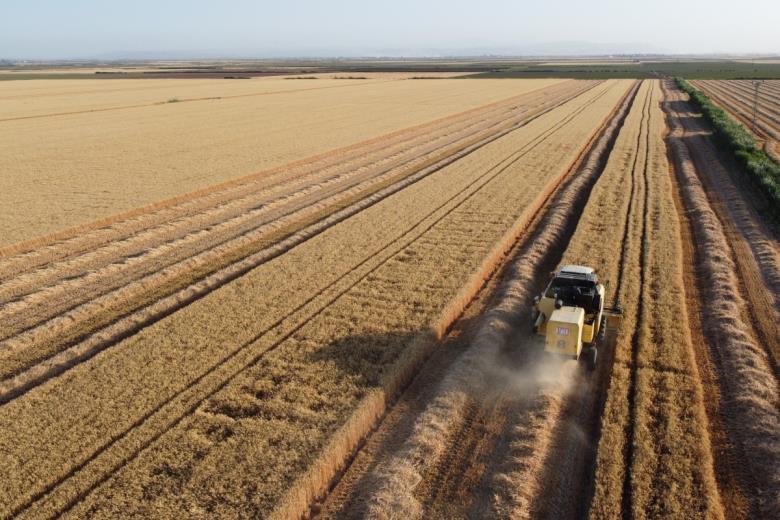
x=592, y=355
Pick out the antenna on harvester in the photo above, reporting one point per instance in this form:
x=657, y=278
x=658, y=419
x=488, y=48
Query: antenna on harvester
x=756, y=86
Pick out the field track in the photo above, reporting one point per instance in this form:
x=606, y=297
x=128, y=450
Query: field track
x=736, y=96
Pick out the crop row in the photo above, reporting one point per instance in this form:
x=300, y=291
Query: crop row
x=348, y=358
x=161, y=369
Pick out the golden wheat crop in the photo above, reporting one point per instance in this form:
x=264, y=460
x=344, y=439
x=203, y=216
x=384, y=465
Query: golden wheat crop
x=63, y=170
x=310, y=340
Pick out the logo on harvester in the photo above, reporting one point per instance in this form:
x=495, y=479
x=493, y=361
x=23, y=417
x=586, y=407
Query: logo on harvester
x=562, y=331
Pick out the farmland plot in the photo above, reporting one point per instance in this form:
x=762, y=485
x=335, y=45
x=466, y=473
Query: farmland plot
x=347, y=335
x=94, y=278
x=62, y=169
x=738, y=96
x=737, y=261
x=510, y=443
x=286, y=315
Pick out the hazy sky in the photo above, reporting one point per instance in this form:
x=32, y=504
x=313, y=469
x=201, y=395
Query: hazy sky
x=93, y=28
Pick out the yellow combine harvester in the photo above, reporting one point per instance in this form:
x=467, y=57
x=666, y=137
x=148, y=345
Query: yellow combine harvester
x=570, y=313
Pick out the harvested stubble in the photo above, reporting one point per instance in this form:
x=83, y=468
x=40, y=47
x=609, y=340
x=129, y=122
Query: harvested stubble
x=653, y=455
x=65, y=170
x=749, y=385
x=285, y=407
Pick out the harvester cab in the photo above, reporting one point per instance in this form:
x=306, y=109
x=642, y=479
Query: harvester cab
x=570, y=314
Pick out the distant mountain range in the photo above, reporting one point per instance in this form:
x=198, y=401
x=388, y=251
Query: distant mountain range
x=560, y=49
x=572, y=48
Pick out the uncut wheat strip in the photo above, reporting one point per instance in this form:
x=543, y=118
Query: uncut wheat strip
x=753, y=390
x=333, y=156
x=435, y=268
x=616, y=203
x=88, y=262
x=393, y=481
x=86, y=476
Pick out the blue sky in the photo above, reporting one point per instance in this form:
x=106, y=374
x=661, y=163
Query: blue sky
x=41, y=29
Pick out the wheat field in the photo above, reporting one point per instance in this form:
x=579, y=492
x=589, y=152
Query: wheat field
x=288, y=298
x=87, y=165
